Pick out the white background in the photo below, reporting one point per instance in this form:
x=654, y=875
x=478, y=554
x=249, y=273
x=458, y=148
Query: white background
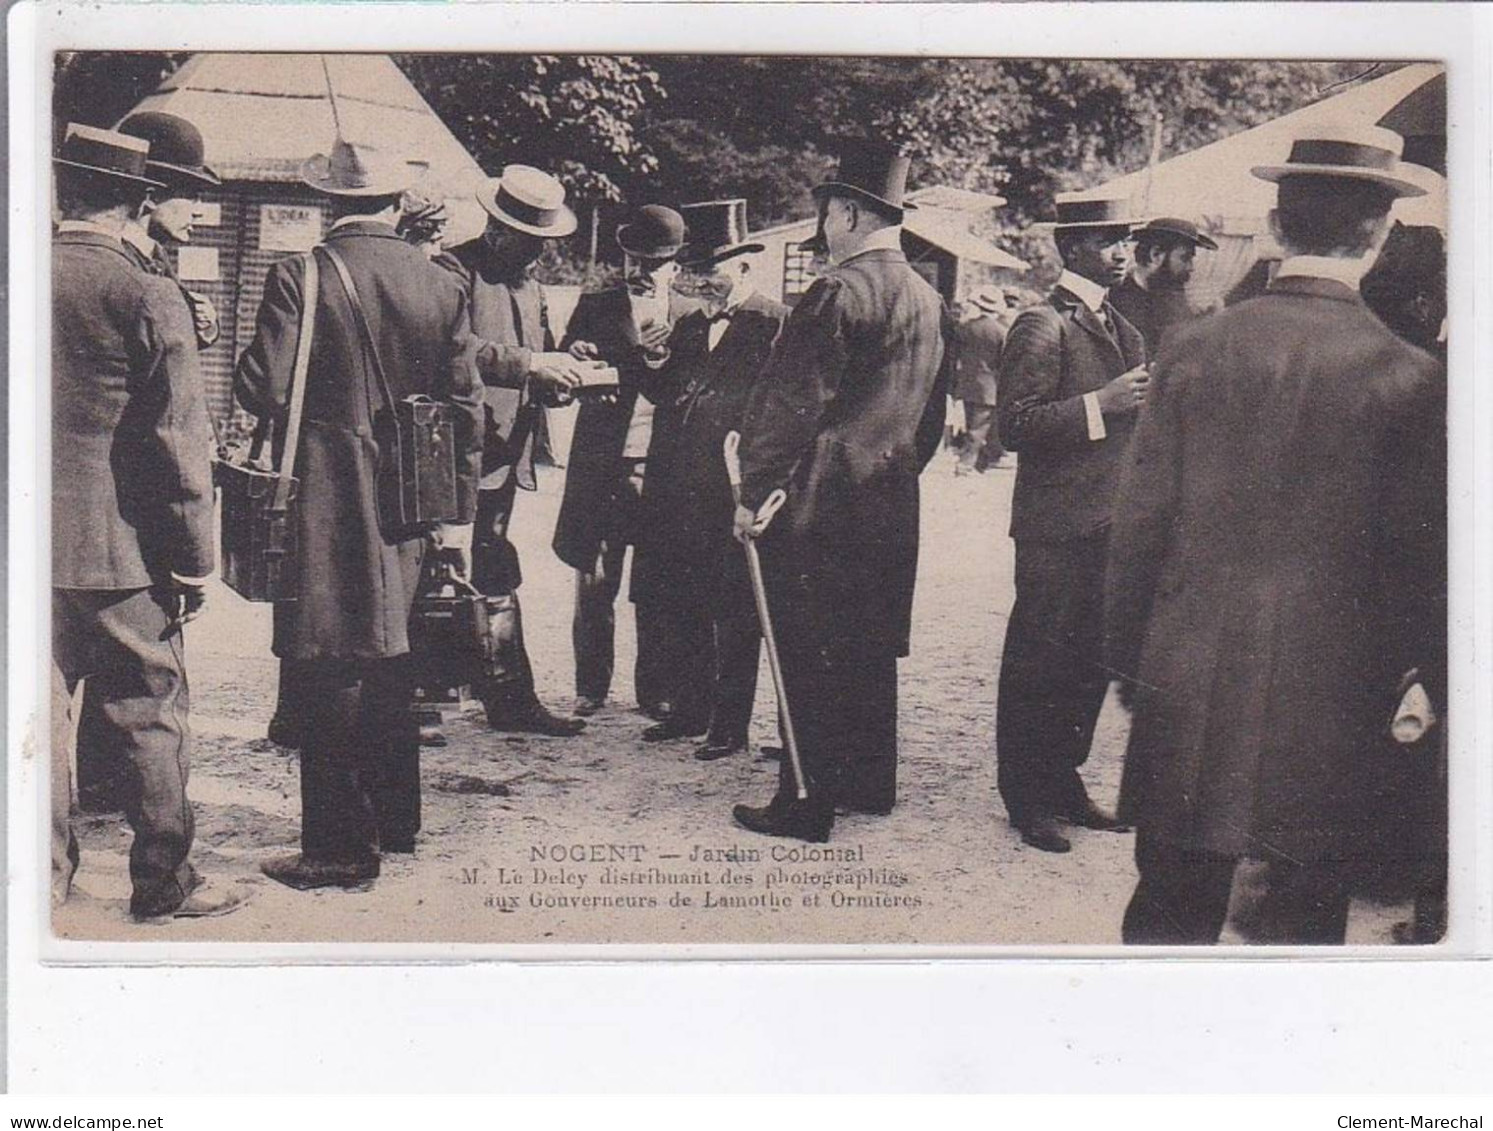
x=1400, y=1025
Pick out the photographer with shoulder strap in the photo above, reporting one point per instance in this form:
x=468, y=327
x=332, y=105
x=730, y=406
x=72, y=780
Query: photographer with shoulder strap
x=387, y=446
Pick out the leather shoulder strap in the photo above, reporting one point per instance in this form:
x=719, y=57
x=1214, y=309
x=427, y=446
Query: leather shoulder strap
x=309, y=293
x=369, y=348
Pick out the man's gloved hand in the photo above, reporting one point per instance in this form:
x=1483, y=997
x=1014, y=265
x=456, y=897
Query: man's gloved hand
x=185, y=599
x=453, y=542
x=747, y=525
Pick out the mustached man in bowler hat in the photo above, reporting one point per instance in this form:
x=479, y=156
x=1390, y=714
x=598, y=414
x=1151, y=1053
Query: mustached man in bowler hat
x=846, y=415
x=694, y=565
x=631, y=327
x=1152, y=297
x=525, y=209
x=132, y=520
x=346, y=631
x=1278, y=569
x=1072, y=380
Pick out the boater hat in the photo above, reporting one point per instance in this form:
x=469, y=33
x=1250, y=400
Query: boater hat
x=717, y=232
x=176, y=153
x=655, y=232
x=873, y=171
x=105, y=152
x=1352, y=152
x=1075, y=211
x=352, y=169
x=1178, y=231
x=992, y=300
x=528, y=200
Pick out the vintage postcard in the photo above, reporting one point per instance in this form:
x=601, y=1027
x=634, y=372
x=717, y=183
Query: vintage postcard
x=557, y=501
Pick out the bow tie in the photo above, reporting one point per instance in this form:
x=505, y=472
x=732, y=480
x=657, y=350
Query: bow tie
x=722, y=315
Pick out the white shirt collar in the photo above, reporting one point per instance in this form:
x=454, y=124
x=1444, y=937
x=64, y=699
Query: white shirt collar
x=883, y=239
x=1349, y=272
x=1090, y=293
x=136, y=235
x=85, y=226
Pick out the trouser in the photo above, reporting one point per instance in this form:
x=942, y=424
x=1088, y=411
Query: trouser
x=496, y=572
x=982, y=444
x=1052, y=678
x=738, y=650
x=593, y=630
x=360, y=762
x=1182, y=898
x=123, y=643
x=99, y=774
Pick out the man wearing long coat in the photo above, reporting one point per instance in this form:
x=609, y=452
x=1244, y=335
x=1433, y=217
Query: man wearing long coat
x=360, y=788
x=1276, y=569
x=848, y=412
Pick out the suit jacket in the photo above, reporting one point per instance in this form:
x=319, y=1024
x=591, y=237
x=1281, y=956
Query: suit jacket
x=356, y=584
x=688, y=506
x=1153, y=313
x=1277, y=562
x=204, y=313
x=132, y=494
x=1055, y=353
x=848, y=412
x=980, y=341
x=592, y=501
x=511, y=322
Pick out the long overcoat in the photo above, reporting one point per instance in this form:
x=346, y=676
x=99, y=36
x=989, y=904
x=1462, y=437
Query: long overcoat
x=132, y=495
x=848, y=412
x=592, y=508
x=978, y=359
x=356, y=584
x=1277, y=562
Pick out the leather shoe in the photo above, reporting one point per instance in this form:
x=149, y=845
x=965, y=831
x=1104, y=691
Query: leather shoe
x=797, y=819
x=283, y=732
x=674, y=728
x=534, y=719
x=585, y=706
x=711, y=750
x=205, y=902
x=659, y=710
x=303, y=875
x=1042, y=833
x=1090, y=816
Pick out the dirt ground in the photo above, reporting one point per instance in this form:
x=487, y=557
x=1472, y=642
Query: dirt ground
x=543, y=840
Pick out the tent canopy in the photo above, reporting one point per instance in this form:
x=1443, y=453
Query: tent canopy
x=1213, y=184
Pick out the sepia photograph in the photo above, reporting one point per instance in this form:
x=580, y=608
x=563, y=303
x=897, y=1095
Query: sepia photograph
x=714, y=500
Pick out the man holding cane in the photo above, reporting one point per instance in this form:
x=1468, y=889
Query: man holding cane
x=846, y=415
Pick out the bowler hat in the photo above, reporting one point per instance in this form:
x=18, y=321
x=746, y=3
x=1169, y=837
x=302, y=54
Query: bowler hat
x=176, y=153
x=528, y=200
x=717, y=232
x=105, y=152
x=872, y=171
x=1174, y=230
x=1349, y=152
x=1075, y=211
x=655, y=232
x=352, y=169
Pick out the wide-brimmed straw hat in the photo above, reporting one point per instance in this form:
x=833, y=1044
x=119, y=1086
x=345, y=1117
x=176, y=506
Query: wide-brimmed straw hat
x=106, y=153
x=1348, y=152
x=353, y=169
x=528, y=200
x=1076, y=212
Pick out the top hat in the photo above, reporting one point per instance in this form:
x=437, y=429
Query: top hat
x=1076, y=211
x=717, y=232
x=870, y=170
x=528, y=200
x=655, y=232
x=1179, y=231
x=105, y=152
x=352, y=169
x=992, y=300
x=1350, y=152
x=175, y=149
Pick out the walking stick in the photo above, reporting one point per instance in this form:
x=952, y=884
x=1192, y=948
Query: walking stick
x=759, y=591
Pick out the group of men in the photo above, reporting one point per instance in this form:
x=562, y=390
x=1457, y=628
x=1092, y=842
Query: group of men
x=1236, y=518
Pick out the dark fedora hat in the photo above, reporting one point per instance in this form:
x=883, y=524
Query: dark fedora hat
x=352, y=169
x=106, y=153
x=1348, y=152
x=717, y=232
x=1076, y=211
x=1165, y=229
x=874, y=171
x=528, y=200
x=176, y=151
x=655, y=232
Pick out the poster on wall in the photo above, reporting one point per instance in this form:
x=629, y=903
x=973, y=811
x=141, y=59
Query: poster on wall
x=289, y=227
